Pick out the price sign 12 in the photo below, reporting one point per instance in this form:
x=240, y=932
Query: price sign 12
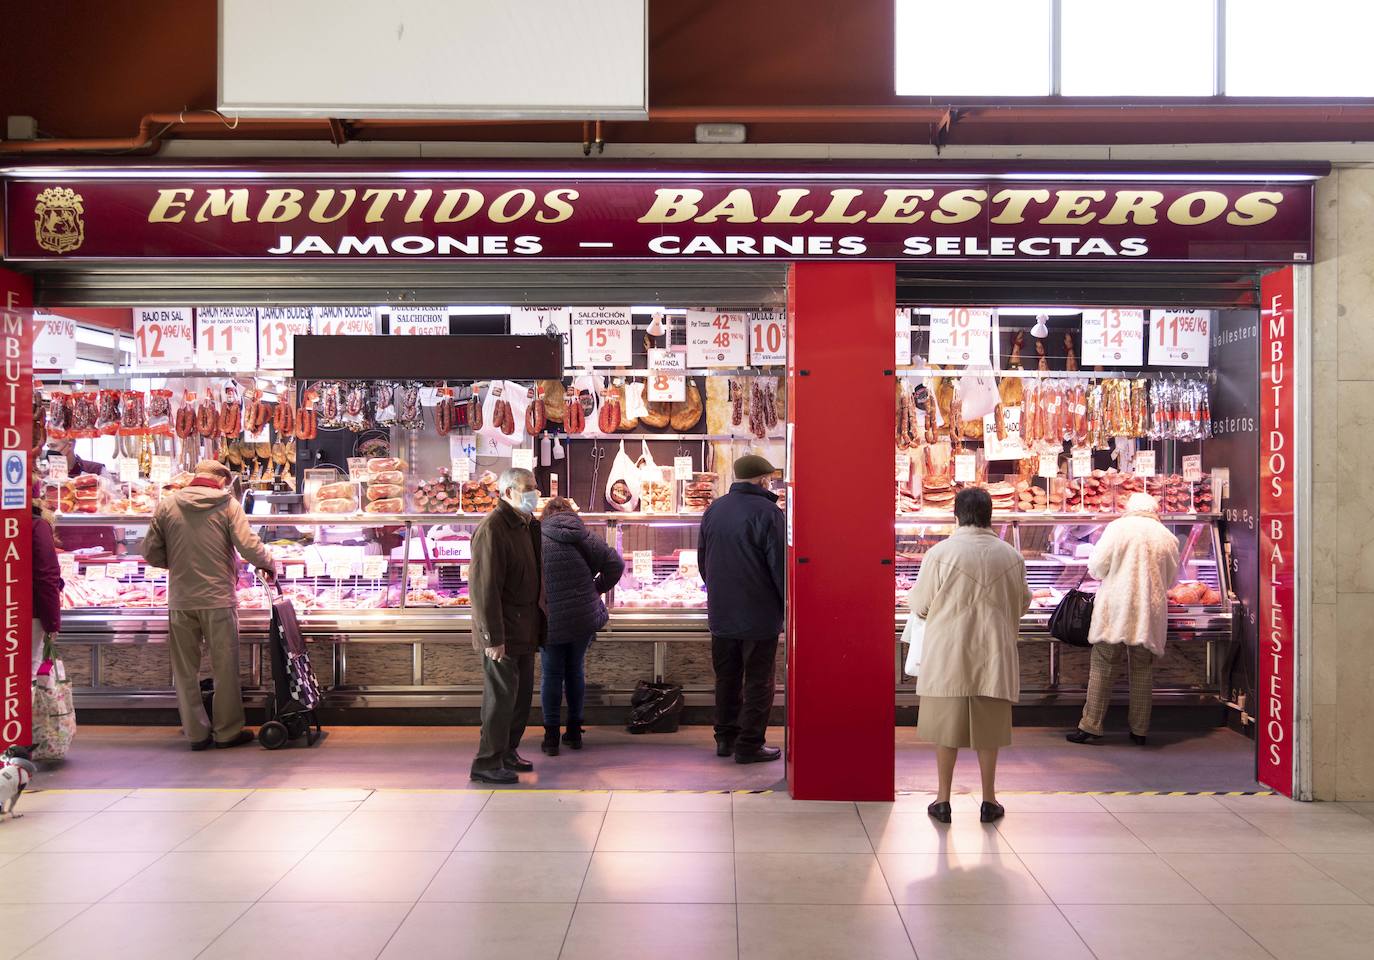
x=163, y=337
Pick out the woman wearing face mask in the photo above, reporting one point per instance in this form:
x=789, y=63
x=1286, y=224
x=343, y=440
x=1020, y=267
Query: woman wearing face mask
x=509, y=623
x=578, y=568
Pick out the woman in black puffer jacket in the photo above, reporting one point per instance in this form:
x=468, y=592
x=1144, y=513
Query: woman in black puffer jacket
x=578, y=568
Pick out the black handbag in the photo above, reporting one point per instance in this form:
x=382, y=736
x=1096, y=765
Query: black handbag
x=1072, y=618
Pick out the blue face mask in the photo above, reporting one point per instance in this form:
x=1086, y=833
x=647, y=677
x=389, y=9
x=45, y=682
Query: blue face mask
x=529, y=501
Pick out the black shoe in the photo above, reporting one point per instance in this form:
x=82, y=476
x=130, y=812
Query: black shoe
x=940, y=810
x=573, y=736
x=494, y=776
x=205, y=744
x=245, y=736
x=989, y=812
x=725, y=746
x=550, y=744
x=761, y=755
x=519, y=764
x=1138, y=739
x=1082, y=736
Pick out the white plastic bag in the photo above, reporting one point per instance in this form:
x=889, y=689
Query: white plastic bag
x=978, y=395
x=622, y=484
x=516, y=395
x=914, y=634
x=54, y=712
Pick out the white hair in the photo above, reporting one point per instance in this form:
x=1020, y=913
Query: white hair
x=514, y=476
x=1142, y=503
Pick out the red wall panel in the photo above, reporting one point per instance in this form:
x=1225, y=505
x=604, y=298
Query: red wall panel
x=840, y=623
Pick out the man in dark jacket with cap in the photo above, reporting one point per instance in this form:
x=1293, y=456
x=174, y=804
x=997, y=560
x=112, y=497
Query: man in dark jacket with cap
x=742, y=557
x=509, y=623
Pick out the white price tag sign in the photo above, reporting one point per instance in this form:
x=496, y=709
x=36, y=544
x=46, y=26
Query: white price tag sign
x=601, y=337
x=357, y=469
x=1144, y=465
x=416, y=578
x=163, y=338
x=544, y=321
x=374, y=568
x=1049, y=465
x=903, y=336
x=670, y=362
x=642, y=565
x=339, y=569
x=716, y=339
x=160, y=470
x=1008, y=447
x=1113, y=338
x=155, y=574
x=1082, y=464
x=54, y=342
x=687, y=563
x=1192, y=468
x=66, y=565
x=120, y=570
x=126, y=469
x=1180, y=338
x=665, y=388
x=460, y=469
x=278, y=328
x=682, y=468
x=419, y=321
x=965, y=468
x=345, y=321
x=227, y=338
x=522, y=458
x=97, y=571
x=961, y=336
x=903, y=467
x=57, y=469
x=768, y=339
x=314, y=567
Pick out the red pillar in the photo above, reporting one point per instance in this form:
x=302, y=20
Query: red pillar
x=840, y=621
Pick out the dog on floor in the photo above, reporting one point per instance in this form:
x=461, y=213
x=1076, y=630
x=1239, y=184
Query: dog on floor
x=15, y=774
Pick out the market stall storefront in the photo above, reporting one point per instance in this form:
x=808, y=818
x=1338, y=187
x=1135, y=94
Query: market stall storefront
x=1136, y=331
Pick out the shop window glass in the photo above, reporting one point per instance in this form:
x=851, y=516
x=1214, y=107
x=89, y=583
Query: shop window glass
x=1163, y=48
x=974, y=48
x=1318, y=48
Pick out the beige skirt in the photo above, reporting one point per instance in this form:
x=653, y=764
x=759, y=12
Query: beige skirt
x=982, y=723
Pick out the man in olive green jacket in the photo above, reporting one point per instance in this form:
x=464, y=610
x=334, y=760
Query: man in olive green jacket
x=194, y=534
x=509, y=623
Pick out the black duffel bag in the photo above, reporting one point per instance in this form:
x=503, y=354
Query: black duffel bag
x=1072, y=618
x=655, y=707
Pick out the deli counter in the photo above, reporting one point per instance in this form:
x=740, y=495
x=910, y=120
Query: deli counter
x=382, y=601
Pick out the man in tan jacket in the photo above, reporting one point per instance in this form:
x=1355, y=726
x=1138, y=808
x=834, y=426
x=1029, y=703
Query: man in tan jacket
x=194, y=534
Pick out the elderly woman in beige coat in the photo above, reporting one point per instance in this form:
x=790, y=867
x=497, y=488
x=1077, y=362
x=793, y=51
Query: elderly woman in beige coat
x=1136, y=558
x=972, y=593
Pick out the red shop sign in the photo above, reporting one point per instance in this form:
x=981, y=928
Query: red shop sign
x=16, y=560
x=1276, y=715
x=898, y=214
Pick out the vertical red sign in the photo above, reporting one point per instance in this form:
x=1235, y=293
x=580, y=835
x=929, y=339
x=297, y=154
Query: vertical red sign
x=1277, y=642
x=16, y=561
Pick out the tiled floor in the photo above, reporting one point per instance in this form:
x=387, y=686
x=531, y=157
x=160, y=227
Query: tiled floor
x=1038, y=759
x=359, y=873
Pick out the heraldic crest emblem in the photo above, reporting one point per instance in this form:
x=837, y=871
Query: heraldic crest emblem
x=58, y=220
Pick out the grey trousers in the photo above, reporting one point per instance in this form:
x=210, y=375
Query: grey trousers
x=1140, y=667
x=507, y=692
x=186, y=630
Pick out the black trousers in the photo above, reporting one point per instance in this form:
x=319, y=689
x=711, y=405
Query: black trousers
x=507, y=691
x=744, y=689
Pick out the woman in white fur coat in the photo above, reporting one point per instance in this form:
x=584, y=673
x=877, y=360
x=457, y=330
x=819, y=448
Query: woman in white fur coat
x=1136, y=559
